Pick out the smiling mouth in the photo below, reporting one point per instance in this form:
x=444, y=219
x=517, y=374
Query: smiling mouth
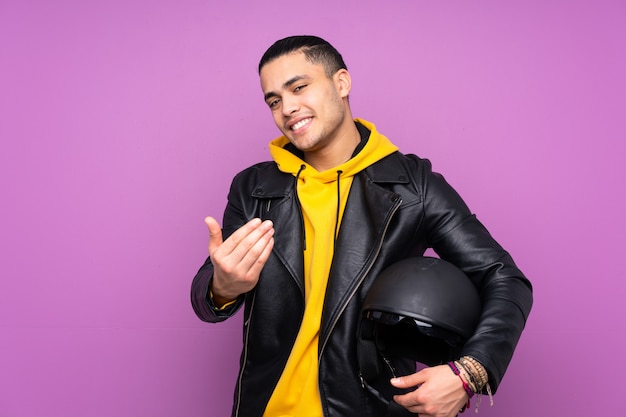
x=301, y=124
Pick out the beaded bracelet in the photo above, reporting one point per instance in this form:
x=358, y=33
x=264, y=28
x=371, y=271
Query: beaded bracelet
x=476, y=369
x=481, y=378
x=466, y=387
x=469, y=377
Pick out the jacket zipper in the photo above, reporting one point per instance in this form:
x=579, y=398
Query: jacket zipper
x=392, y=369
x=245, y=355
x=356, y=287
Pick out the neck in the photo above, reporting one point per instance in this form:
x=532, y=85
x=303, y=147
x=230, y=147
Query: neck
x=338, y=151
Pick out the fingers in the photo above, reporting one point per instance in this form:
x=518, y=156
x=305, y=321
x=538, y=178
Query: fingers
x=408, y=381
x=250, y=246
x=243, y=240
x=264, y=248
x=409, y=400
x=250, y=239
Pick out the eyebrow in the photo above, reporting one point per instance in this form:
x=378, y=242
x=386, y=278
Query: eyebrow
x=286, y=85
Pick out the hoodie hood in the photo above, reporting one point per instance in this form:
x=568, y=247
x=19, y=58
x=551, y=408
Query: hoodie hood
x=376, y=148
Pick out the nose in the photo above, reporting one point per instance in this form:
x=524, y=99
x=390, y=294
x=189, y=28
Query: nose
x=290, y=105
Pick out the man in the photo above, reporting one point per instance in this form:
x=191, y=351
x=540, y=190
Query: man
x=305, y=235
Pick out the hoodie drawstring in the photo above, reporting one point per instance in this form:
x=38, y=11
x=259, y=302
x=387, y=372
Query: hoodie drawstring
x=302, y=167
x=339, y=172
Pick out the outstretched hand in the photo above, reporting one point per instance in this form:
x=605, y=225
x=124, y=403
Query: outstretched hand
x=238, y=260
x=439, y=392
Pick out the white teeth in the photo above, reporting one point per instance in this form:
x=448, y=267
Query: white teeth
x=300, y=124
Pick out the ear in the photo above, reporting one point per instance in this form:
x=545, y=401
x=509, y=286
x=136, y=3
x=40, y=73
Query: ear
x=343, y=82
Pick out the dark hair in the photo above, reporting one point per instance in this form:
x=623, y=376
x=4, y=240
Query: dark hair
x=316, y=50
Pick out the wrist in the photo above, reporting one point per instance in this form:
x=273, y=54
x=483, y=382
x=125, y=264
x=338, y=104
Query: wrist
x=220, y=302
x=468, y=390
x=458, y=371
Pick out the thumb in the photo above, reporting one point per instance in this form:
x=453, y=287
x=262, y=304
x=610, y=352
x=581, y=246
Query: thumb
x=215, y=234
x=408, y=381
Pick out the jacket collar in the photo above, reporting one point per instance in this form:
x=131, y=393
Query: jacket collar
x=388, y=170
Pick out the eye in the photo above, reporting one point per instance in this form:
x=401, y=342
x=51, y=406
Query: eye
x=299, y=88
x=273, y=103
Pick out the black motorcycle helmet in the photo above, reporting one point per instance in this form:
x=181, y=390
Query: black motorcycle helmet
x=423, y=309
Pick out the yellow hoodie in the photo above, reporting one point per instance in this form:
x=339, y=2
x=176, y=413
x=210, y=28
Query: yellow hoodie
x=321, y=194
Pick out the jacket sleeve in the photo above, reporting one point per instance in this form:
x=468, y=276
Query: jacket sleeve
x=457, y=236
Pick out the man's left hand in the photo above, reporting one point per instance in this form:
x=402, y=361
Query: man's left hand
x=439, y=392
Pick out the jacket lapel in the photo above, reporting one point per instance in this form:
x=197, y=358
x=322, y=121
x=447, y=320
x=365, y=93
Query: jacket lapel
x=276, y=193
x=368, y=211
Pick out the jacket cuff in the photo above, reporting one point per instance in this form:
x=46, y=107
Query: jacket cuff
x=202, y=302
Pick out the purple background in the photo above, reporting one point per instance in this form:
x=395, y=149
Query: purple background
x=123, y=122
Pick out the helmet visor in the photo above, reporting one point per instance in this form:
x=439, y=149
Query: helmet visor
x=426, y=329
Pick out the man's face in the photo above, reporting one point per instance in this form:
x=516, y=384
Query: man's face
x=308, y=107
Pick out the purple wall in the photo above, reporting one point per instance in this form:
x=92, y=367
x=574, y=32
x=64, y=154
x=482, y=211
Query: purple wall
x=122, y=123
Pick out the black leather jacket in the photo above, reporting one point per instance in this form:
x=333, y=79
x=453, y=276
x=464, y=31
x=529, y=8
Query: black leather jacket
x=397, y=208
